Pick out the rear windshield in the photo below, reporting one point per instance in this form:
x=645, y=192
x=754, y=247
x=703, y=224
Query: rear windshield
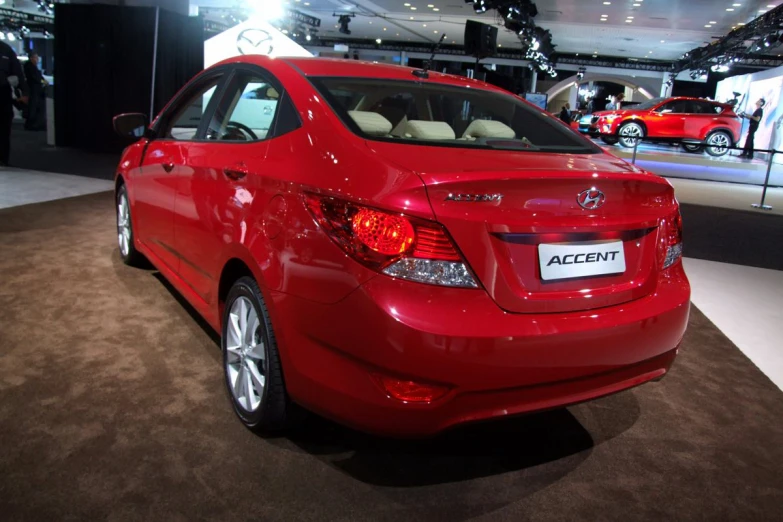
x=424, y=113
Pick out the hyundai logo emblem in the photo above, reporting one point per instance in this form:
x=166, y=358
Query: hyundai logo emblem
x=591, y=199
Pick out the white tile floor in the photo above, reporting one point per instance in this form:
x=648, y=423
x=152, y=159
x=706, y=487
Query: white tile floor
x=22, y=187
x=745, y=303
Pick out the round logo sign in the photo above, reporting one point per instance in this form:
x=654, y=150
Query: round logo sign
x=254, y=41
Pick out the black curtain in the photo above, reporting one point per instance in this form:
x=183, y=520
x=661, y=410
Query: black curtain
x=103, y=67
x=180, y=54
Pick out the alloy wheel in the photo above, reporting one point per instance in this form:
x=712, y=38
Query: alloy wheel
x=123, y=225
x=719, y=143
x=630, y=133
x=245, y=355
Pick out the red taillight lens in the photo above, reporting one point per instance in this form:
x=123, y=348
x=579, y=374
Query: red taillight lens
x=670, y=250
x=397, y=245
x=382, y=232
x=411, y=391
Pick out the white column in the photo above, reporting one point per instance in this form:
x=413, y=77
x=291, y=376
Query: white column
x=533, y=81
x=573, y=94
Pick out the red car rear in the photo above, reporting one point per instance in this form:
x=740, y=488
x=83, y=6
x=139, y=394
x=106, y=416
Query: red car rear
x=401, y=250
x=678, y=119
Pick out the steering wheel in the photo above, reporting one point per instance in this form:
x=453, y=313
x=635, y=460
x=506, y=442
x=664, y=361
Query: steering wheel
x=242, y=128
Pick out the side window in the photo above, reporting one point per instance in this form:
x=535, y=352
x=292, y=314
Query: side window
x=673, y=107
x=247, y=110
x=186, y=119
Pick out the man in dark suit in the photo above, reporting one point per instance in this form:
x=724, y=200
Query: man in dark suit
x=9, y=68
x=36, y=83
x=565, y=114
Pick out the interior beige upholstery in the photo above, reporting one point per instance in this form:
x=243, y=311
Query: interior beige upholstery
x=272, y=93
x=488, y=129
x=371, y=123
x=429, y=130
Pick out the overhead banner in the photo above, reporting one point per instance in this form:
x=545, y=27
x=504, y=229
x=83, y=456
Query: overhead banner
x=254, y=36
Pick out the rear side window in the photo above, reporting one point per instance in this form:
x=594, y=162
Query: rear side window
x=423, y=113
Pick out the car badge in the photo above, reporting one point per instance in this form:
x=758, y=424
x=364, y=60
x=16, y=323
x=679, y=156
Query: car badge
x=254, y=41
x=591, y=199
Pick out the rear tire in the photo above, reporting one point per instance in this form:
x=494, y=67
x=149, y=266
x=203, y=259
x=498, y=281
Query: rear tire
x=251, y=361
x=630, y=133
x=693, y=149
x=718, y=143
x=125, y=236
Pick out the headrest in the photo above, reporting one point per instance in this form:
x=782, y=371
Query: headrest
x=371, y=123
x=488, y=129
x=272, y=93
x=429, y=130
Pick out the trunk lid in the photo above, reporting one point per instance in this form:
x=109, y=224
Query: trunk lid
x=500, y=237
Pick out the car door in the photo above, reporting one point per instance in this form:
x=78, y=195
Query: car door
x=215, y=195
x=668, y=120
x=155, y=184
x=699, y=119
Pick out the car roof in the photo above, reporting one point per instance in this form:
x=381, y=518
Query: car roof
x=339, y=67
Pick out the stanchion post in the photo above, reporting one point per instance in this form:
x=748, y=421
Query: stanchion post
x=635, y=147
x=761, y=204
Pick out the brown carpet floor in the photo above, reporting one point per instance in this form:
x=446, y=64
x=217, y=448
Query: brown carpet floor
x=112, y=407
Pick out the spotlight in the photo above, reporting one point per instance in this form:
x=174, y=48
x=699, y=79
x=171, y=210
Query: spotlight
x=378, y=41
x=11, y=37
x=2, y=36
x=308, y=37
x=344, y=20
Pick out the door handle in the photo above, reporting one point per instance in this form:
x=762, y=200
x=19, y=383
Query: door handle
x=235, y=173
x=168, y=167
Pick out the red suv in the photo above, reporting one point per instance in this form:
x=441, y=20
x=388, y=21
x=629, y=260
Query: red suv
x=676, y=120
x=399, y=249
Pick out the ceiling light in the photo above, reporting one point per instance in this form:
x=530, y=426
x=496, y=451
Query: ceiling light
x=430, y=6
x=595, y=56
x=307, y=3
x=637, y=5
x=436, y=9
x=413, y=8
x=663, y=41
x=607, y=3
x=603, y=19
x=713, y=22
x=736, y=5
x=708, y=26
x=384, y=28
x=630, y=17
x=406, y=4
x=729, y=9
x=629, y=21
x=424, y=25
x=411, y=18
x=770, y=6
x=378, y=41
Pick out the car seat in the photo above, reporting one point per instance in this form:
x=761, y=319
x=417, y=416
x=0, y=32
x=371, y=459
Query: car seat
x=488, y=129
x=429, y=130
x=371, y=123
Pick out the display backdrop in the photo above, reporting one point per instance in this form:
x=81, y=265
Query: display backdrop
x=764, y=84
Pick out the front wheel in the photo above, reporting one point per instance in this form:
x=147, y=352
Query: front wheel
x=630, y=133
x=718, y=143
x=130, y=256
x=609, y=140
x=253, y=373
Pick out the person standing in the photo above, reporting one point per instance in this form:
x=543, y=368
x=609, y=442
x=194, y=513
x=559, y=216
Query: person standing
x=9, y=68
x=565, y=114
x=753, y=126
x=36, y=83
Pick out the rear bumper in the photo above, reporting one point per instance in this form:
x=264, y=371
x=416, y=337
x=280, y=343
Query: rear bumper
x=495, y=363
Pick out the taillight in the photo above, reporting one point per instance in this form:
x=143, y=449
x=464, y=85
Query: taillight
x=671, y=239
x=392, y=243
x=411, y=391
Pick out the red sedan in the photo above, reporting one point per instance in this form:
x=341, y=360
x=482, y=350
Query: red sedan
x=398, y=249
x=674, y=120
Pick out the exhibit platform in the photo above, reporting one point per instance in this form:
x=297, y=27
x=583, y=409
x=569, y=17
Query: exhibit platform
x=673, y=161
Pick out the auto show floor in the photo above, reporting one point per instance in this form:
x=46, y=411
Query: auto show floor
x=112, y=406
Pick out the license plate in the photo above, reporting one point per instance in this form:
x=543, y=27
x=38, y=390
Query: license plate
x=572, y=260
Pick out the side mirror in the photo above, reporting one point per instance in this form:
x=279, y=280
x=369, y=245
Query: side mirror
x=130, y=125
